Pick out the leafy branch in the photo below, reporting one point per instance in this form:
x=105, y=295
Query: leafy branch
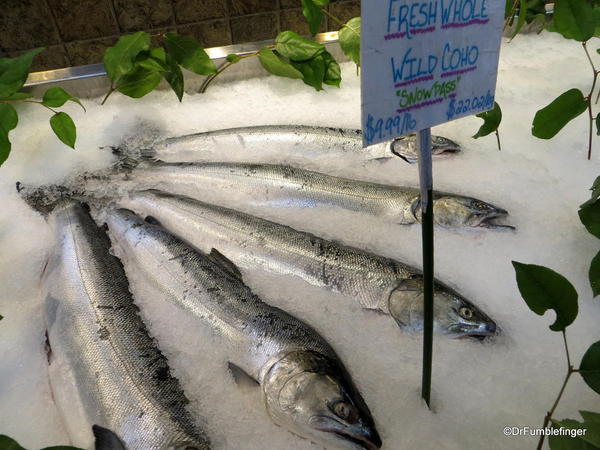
x=348, y=35
x=13, y=74
x=578, y=20
x=544, y=289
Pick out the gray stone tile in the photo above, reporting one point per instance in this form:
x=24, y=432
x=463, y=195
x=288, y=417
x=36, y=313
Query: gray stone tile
x=89, y=52
x=215, y=33
x=293, y=19
x=134, y=15
x=343, y=11
x=243, y=7
x=254, y=28
x=25, y=24
x=290, y=3
x=83, y=19
x=187, y=11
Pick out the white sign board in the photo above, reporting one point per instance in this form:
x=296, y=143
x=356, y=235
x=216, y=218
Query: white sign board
x=426, y=62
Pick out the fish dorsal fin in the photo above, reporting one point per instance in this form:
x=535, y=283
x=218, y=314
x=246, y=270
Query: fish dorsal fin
x=222, y=260
x=107, y=439
x=241, y=377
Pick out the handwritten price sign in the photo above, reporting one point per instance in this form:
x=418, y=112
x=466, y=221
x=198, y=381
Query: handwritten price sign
x=426, y=62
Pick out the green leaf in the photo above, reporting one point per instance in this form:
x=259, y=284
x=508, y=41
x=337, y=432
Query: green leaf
x=296, y=48
x=55, y=97
x=313, y=71
x=574, y=19
x=158, y=60
x=119, y=59
x=550, y=120
x=589, y=416
x=313, y=15
x=7, y=443
x=594, y=275
x=589, y=214
x=5, y=147
x=8, y=118
x=349, y=38
x=8, y=121
x=233, y=58
x=174, y=77
x=321, y=2
x=277, y=66
x=64, y=128
x=491, y=121
x=13, y=72
x=598, y=125
x=566, y=442
x=333, y=74
x=595, y=188
x=18, y=96
x=544, y=289
x=589, y=368
x=188, y=53
x=138, y=83
x=153, y=60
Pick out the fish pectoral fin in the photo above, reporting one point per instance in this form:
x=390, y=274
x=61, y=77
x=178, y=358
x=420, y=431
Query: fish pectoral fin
x=225, y=263
x=47, y=348
x=107, y=439
x=241, y=377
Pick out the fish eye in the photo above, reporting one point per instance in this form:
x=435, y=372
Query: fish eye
x=345, y=411
x=465, y=312
x=478, y=204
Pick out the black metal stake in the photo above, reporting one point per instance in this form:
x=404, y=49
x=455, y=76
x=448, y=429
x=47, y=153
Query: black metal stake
x=426, y=182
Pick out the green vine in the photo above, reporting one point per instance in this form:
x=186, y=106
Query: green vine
x=544, y=289
x=577, y=20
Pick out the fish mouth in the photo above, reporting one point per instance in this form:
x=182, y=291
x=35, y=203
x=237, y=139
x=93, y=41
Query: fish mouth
x=462, y=331
x=368, y=440
x=489, y=219
x=364, y=443
x=442, y=146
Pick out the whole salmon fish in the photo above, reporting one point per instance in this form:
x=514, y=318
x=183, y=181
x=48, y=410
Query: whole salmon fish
x=106, y=372
x=377, y=283
x=288, y=140
x=305, y=386
x=240, y=185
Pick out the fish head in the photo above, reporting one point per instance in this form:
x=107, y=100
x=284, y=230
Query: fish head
x=313, y=397
x=458, y=211
x=453, y=315
x=443, y=146
x=406, y=147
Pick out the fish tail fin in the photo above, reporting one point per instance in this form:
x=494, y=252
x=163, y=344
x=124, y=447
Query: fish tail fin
x=149, y=154
x=126, y=158
x=107, y=439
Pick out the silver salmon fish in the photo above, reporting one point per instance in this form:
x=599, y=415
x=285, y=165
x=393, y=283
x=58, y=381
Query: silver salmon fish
x=375, y=282
x=306, y=388
x=242, y=185
x=106, y=372
x=289, y=140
